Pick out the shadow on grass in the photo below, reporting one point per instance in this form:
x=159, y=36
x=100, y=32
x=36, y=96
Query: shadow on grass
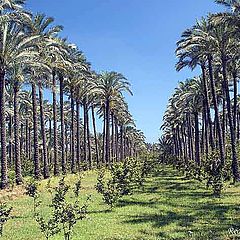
x=100, y=211
x=162, y=219
x=124, y=203
x=186, y=204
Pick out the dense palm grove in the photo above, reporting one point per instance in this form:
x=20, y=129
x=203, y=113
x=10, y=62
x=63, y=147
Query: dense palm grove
x=201, y=123
x=58, y=134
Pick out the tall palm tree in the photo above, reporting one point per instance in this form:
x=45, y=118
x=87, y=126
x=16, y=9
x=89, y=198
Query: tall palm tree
x=234, y=5
x=110, y=85
x=200, y=37
x=224, y=43
x=15, y=47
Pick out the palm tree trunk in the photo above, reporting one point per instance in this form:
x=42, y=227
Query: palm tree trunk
x=218, y=125
x=224, y=119
x=235, y=88
x=35, y=133
x=205, y=132
x=18, y=165
x=179, y=143
x=207, y=105
x=73, y=162
x=89, y=143
x=95, y=136
x=66, y=141
x=10, y=161
x=30, y=143
x=50, y=141
x=21, y=140
x=26, y=136
x=46, y=173
x=235, y=167
x=64, y=171
x=184, y=144
x=116, y=140
x=85, y=130
x=175, y=143
x=4, y=166
x=78, y=135
x=113, y=138
x=238, y=126
x=197, y=154
x=189, y=137
x=107, y=151
x=55, y=135
x=104, y=137
x=121, y=144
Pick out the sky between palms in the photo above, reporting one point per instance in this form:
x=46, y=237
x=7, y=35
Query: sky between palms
x=134, y=37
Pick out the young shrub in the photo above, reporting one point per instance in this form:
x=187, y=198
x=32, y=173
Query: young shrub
x=214, y=173
x=5, y=212
x=100, y=181
x=67, y=213
x=32, y=191
x=49, y=187
x=111, y=193
x=59, y=198
x=11, y=179
x=109, y=189
x=64, y=214
x=77, y=187
x=48, y=228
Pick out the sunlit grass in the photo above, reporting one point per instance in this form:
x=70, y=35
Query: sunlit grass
x=167, y=207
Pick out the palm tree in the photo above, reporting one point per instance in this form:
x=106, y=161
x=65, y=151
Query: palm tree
x=224, y=43
x=191, y=57
x=46, y=172
x=200, y=37
x=234, y=5
x=17, y=76
x=16, y=47
x=110, y=85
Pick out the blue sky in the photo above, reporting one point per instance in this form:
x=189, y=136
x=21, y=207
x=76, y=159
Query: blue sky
x=134, y=37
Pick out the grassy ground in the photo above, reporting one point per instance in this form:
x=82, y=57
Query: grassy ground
x=168, y=207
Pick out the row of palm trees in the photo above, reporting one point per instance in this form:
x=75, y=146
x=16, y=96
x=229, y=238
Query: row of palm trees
x=202, y=116
x=55, y=135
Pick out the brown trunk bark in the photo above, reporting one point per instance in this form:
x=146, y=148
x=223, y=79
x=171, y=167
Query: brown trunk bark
x=35, y=133
x=55, y=135
x=78, y=135
x=235, y=167
x=18, y=165
x=63, y=155
x=46, y=173
x=73, y=162
x=218, y=125
x=95, y=136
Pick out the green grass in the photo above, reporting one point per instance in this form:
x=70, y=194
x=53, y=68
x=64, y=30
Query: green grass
x=168, y=207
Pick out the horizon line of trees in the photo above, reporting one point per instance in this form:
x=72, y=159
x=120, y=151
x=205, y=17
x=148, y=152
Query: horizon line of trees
x=42, y=137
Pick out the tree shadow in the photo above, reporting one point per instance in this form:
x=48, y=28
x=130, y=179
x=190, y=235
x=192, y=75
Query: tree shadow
x=125, y=202
x=188, y=205
x=162, y=219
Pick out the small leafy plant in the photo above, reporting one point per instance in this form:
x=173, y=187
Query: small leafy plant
x=100, y=181
x=32, y=191
x=48, y=227
x=77, y=187
x=111, y=193
x=65, y=214
x=124, y=178
x=5, y=212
